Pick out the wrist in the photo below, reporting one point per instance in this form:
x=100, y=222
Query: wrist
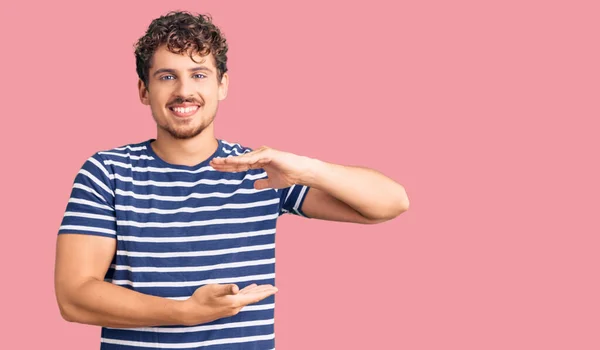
x=313, y=168
x=180, y=312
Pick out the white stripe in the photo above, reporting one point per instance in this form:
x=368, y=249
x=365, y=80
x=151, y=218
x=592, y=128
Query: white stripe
x=232, y=144
x=139, y=148
x=158, y=170
x=197, y=209
x=196, y=253
x=234, y=150
x=258, y=307
x=90, y=190
x=197, y=223
x=100, y=166
x=90, y=216
x=197, y=238
x=193, y=268
x=300, y=196
x=87, y=228
x=194, y=283
x=98, y=182
x=201, y=328
x=191, y=195
x=186, y=183
x=188, y=345
x=90, y=203
x=289, y=193
x=127, y=155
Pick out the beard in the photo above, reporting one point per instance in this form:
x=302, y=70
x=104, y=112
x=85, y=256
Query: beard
x=184, y=131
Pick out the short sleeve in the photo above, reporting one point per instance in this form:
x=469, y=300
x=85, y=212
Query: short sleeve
x=291, y=199
x=90, y=209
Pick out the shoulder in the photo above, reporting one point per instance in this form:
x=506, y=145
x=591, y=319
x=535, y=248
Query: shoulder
x=121, y=156
x=125, y=152
x=136, y=147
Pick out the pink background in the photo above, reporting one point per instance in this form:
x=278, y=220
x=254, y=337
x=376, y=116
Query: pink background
x=486, y=113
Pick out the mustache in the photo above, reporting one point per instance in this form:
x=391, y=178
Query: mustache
x=180, y=100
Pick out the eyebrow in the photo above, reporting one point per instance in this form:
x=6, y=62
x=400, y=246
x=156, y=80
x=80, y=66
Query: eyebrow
x=173, y=71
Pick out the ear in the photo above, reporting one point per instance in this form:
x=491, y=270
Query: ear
x=223, y=86
x=143, y=92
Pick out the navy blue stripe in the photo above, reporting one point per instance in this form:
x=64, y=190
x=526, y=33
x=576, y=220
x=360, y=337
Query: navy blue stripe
x=226, y=213
x=198, y=245
x=194, y=276
x=197, y=230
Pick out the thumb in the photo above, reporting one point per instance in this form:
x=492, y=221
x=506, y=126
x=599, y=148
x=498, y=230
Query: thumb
x=261, y=184
x=226, y=289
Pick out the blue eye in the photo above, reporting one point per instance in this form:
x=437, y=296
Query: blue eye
x=203, y=76
x=166, y=76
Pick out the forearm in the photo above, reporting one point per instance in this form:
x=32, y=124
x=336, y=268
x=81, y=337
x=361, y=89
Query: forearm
x=366, y=190
x=105, y=304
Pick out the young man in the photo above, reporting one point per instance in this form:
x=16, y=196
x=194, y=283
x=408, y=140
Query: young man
x=169, y=243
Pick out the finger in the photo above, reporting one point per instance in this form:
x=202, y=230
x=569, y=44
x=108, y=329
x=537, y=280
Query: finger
x=239, y=167
x=261, y=184
x=259, y=163
x=230, y=159
x=230, y=163
x=247, y=288
x=241, y=159
x=263, y=294
x=248, y=158
x=262, y=289
x=227, y=289
x=245, y=159
x=229, y=167
x=255, y=297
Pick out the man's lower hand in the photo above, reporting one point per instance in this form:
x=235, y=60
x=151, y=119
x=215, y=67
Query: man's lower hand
x=214, y=301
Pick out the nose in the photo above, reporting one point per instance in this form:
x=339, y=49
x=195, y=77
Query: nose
x=185, y=87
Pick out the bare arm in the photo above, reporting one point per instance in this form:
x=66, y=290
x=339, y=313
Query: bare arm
x=351, y=194
x=84, y=297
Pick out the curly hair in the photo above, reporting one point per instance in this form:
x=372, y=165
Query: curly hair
x=182, y=32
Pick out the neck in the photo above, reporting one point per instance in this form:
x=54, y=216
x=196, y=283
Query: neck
x=187, y=152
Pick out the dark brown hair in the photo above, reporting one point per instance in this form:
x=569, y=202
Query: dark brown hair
x=182, y=32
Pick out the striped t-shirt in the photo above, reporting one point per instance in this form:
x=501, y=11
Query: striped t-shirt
x=180, y=227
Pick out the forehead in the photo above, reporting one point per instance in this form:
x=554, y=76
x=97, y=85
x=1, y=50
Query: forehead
x=164, y=58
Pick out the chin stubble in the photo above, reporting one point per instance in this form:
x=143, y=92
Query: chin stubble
x=186, y=133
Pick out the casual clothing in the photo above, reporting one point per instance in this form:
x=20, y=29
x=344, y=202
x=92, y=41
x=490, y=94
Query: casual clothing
x=180, y=227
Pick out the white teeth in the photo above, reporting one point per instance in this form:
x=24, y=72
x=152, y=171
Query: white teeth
x=185, y=110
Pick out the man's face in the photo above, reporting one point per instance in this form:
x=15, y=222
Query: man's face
x=182, y=94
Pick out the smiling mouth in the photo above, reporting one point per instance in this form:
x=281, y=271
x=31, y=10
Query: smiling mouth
x=183, y=112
